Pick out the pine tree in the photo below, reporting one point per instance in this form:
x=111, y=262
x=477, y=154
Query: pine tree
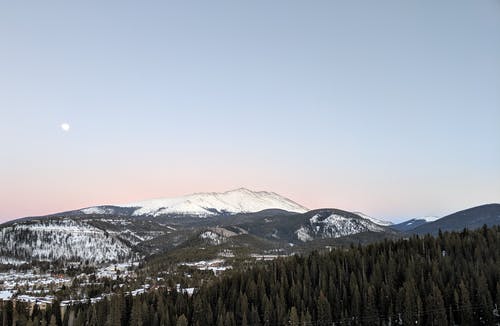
x=53, y=321
x=244, y=320
x=374, y=284
x=436, y=311
x=465, y=306
x=412, y=304
x=220, y=320
x=324, y=316
x=485, y=301
x=370, y=311
x=254, y=316
x=116, y=309
x=306, y=319
x=8, y=311
x=182, y=321
x=136, y=313
x=293, y=317
x=266, y=318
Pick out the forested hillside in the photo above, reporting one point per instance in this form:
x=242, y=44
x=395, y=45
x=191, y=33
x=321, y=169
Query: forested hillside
x=450, y=279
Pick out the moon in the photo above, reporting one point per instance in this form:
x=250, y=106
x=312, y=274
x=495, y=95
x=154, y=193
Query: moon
x=65, y=126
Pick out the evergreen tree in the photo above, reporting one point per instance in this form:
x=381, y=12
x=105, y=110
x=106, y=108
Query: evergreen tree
x=412, y=304
x=306, y=319
x=324, y=316
x=53, y=320
x=420, y=280
x=182, y=321
x=136, y=314
x=436, y=311
x=293, y=317
x=254, y=316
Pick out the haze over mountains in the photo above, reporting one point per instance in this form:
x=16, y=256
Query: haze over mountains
x=253, y=221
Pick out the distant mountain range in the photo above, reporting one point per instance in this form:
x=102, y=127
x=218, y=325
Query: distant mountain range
x=413, y=223
x=471, y=218
x=241, y=220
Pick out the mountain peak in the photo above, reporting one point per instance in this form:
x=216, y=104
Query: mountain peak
x=204, y=204
x=242, y=189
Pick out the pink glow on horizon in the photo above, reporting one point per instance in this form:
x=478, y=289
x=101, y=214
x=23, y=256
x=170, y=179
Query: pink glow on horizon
x=44, y=203
x=58, y=189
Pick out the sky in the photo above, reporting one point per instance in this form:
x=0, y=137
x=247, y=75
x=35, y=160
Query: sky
x=387, y=107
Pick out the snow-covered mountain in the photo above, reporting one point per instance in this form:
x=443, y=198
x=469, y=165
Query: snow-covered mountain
x=373, y=219
x=335, y=224
x=414, y=223
x=204, y=204
x=66, y=239
x=258, y=221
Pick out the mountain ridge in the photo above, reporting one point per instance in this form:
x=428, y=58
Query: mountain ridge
x=254, y=221
x=205, y=204
x=470, y=218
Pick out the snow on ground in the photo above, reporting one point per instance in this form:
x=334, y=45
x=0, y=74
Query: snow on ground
x=303, y=234
x=13, y=280
x=97, y=210
x=226, y=253
x=203, y=263
x=11, y=261
x=334, y=226
x=7, y=295
x=143, y=289
x=38, y=300
x=112, y=271
x=428, y=218
x=266, y=257
x=217, y=266
x=55, y=239
x=189, y=291
x=373, y=219
x=31, y=286
x=213, y=237
x=217, y=235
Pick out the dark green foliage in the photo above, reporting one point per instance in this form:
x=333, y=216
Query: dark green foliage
x=450, y=279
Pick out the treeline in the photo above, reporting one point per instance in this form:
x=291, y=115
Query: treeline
x=451, y=279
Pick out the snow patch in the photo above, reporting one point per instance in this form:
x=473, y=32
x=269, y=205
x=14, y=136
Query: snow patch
x=303, y=234
x=428, y=218
x=334, y=226
x=373, y=219
x=213, y=238
x=60, y=239
x=7, y=295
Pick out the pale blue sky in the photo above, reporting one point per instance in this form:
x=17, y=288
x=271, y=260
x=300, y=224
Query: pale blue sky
x=387, y=107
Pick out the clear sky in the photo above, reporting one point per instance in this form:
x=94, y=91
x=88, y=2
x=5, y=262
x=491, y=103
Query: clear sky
x=387, y=107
